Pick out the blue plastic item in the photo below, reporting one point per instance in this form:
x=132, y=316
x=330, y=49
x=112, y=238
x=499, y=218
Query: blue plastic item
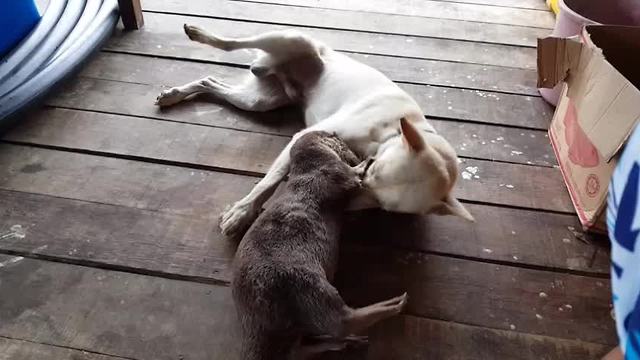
x=60, y=44
x=17, y=19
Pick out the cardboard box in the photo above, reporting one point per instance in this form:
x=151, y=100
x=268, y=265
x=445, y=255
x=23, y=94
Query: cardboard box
x=598, y=108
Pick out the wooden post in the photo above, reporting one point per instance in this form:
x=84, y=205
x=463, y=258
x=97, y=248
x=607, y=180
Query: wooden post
x=131, y=14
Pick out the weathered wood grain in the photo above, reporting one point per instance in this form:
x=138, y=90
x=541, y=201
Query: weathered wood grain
x=439, y=287
x=500, y=234
x=438, y=9
x=447, y=102
x=351, y=20
x=416, y=71
x=123, y=314
x=447, y=340
x=452, y=74
x=520, y=280
x=523, y=4
x=470, y=139
x=232, y=150
x=252, y=153
x=12, y=349
x=152, y=318
x=514, y=185
x=164, y=35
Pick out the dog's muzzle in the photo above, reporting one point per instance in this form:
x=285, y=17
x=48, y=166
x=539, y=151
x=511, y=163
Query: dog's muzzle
x=362, y=168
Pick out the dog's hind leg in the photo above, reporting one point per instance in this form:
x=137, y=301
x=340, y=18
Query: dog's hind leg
x=253, y=94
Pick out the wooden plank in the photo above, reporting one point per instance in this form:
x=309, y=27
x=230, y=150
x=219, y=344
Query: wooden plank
x=237, y=151
x=451, y=74
x=127, y=315
x=521, y=4
x=416, y=71
x=474, y=293
x=479, y=106
x=470, y=139
x=500, y=297
x=131, y=14
x=13, y=349
x=136, y=240
x=437, y=9
x=502, y=235
x=164, y=35
x=468, y=343
x=145, y=317
x=473, y=105
x=351, y=20
x=497, y=143
x=513, y=185
x=138, y=100
x=253, y=153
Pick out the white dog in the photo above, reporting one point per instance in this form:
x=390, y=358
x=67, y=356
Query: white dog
x=411, y=168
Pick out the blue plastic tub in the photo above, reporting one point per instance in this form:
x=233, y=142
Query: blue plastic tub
x=17, y=19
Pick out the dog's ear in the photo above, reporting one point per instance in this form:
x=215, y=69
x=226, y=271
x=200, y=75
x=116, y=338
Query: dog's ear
x=412, y=136
x=451, y=206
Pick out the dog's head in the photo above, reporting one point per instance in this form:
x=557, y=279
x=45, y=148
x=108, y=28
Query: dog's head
x=415, y=173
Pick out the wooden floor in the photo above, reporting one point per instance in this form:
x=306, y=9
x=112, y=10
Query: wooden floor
x=109, y=247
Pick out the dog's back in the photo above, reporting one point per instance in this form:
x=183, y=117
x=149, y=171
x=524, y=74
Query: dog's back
x=285, y=261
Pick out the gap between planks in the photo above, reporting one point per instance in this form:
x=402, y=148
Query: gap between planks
x=436, y=284
x=514, y=4
x=512, y=83
x=390, y=24
x=453, y=10
x=501, y=234
x=253, y=153
x=114, y=75
x=164, y=35
x=204, y=325
x=23, y=349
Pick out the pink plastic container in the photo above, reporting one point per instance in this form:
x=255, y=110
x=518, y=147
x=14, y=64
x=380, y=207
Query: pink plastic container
x=574, y=14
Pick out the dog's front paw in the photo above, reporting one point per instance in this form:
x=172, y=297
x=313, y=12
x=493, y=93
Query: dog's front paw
x=235, y=220
x=169, y=97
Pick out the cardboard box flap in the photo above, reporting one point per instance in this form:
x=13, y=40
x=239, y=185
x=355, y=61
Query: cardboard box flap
x=607, y=102
x=597, y=110
x=555, y=57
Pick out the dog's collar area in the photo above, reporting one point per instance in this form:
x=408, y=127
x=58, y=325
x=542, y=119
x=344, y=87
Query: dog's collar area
x=364, y=166
x=398, y=133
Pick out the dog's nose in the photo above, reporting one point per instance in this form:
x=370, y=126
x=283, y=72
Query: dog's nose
x=361, y=169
